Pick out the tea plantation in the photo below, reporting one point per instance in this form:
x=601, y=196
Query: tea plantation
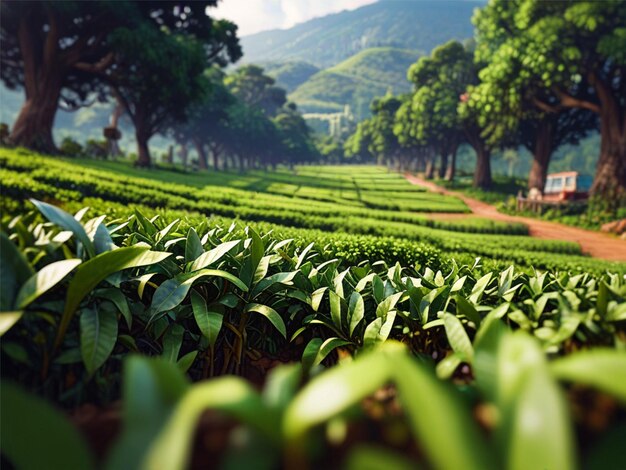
x=451, y=344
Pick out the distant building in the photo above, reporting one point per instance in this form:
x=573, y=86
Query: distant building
x=334, y=124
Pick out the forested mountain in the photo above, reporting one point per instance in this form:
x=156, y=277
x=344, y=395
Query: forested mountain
x=324, y=42
x=356, y=81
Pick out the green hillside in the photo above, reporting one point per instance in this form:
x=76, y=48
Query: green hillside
x=290, y=75
x=324, y=42
x=356, y=81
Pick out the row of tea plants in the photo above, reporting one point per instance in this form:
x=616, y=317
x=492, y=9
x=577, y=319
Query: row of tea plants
x=86, y=300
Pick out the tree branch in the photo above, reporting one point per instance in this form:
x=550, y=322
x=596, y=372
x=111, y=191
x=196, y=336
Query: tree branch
x=99, y=67
x=568, y=101
x=548, y=108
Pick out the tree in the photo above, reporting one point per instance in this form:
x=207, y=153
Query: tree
x=60, y=53
x=49, y=50
x=358, y=144
x=296, y=144
x=436, y=118
x=330, y=149
x=439, y=80
x=256, y=89
x=207, y=119
x=384, y=143
x=543, y=133
x=150, y=61
x=417, y=147
x=374, y=138
x=560, y=55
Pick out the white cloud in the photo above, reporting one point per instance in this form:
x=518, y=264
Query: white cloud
x=253, y=16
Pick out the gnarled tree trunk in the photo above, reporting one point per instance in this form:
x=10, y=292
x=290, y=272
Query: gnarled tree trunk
x=143, y=151
x=610, y=177
x=33, y=126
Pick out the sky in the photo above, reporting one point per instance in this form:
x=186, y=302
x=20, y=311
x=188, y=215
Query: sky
x=253, y=16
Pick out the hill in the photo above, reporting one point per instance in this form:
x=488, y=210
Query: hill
x=327, y=41
x=290, y=75
x=356, y=81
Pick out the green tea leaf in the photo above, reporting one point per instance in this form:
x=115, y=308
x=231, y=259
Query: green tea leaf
x=66, y=222
x=14, y=271
x=271, y=314
x=317, y=350
x=172, y=341
x=209, y=322
x=44, y=280
x=457, y=337
x=36, y=436
x=540, y=431
x=8, y=319
x=214, y=255
x=151, y=389
x=98, y=334
x=356, y=311
x=91, y=273
x=173, y=291
x=193, y=246
x=604, y=369
x=229, y=395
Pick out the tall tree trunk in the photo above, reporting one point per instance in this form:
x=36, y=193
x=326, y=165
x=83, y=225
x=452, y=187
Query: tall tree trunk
x=203, y=163
x=451, y=172
x=242, y=164
x=216, y=157
x=184, y=154
x=541, y=155
x=443, y=164
x=429, y=171
x=143, y=151
x=482, y=174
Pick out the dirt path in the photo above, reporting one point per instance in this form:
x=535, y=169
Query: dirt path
x=596, y=244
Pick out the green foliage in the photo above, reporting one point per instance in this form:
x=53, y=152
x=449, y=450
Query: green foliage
x=70, y=147
x=290, y=75
x=308, y=208
x=284, y=426
x=557, y=57
x=213, y=298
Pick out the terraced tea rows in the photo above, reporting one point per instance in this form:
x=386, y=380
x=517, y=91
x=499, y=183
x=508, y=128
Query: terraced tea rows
x=75, y=185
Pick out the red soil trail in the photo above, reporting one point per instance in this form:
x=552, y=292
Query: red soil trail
x=596, y=244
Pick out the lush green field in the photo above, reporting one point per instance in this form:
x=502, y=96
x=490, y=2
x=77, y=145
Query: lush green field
x=226, y=274
x=262, y=198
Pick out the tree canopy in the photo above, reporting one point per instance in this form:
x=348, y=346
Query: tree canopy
x=558, y=55
x=62, y=53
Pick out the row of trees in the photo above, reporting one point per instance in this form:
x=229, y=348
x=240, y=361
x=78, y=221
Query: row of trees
x=160, y=62
x=540, y=75
x=248, y=119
